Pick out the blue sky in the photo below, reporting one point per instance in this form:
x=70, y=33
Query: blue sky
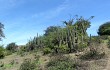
x=25, y=18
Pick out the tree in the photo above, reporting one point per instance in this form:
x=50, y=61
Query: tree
x=51, y=29
x=1, y=31
x=2, y=55
x=104, y=29
x=12, y=47
x=1, y=36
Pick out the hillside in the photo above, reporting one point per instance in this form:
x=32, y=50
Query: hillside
x=13, y=62
x=67, y=47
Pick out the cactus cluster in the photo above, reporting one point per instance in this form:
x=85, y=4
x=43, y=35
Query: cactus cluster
x=34, y=43
x=72, y=35
x=76, y=32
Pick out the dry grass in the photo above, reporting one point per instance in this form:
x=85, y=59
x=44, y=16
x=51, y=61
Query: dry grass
x=17, y=59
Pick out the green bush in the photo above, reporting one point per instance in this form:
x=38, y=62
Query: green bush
x=12, y=62
x=1, y=64
x=6, y=52
x=98, y=39
x=92, y=54
x=61, y=63
x=12, y=47
x=63, y=49
x=109, y=43
x=104, y=37
x=47, y=50
x=22, y=51
x=2, y=55
x=81, y=46
x=27, y=65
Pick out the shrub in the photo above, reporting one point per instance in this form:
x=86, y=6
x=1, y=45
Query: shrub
x=12, y=62
x=81, y=46
x=104, y=37
x=93, y=54
x=109, y=43
x=27, y=65
x=63, y=49
x=12, y=47
x=22, y=53
x=37, y=57
x=47, y=50
x=2, y=55
x=61, y=63
x=1, y=64
x=98, y=39
x=6, y=52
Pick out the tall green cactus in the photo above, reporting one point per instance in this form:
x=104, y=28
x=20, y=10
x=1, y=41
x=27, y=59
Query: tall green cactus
x=72, y=35
x=76, y=30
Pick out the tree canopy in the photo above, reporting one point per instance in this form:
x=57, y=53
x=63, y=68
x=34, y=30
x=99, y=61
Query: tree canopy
x=12, y=47
x=104, y=29
x=51, y=29
x=1, y=31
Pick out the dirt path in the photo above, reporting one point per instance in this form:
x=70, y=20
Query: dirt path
x=108, y=64
x=108, y=61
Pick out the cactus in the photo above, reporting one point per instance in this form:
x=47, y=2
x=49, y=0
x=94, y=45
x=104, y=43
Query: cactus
x=89, y=41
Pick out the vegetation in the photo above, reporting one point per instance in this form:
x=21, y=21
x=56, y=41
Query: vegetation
x=63, y=38
x=47, y=50
x=61, y=63
x=69, y=47
x=108, y=43
x=1, y=31
x=104, y=29
x=12, y=47
x=27, y=65
x=2, y=55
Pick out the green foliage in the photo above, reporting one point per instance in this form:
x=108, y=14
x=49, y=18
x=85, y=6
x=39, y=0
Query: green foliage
x=92, y=54
x=2, y=55
x=22, y=50
x=81, y=46
x=1, y=31
x=49, y=40
x=27, y=65
x=76, y=32
x=63, y=49
x=47, y=50
x=35, y=43
x=62, y=63
x=12, y=47
x=104, y=37
x=69, y=38
x=108, y=43
x=104, y=29
x=98, y=39
x=12, y=62
x=51, y=29
x=1, y=64
x=7, y=52
x=30, y=45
